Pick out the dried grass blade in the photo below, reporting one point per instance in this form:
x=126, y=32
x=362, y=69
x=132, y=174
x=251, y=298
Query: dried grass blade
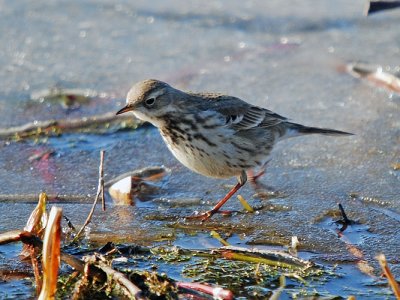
x=51, y=254
x=392, y=281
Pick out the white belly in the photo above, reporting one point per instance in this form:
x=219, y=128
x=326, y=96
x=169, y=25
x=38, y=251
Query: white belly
x=205, y=161
x=214, y=152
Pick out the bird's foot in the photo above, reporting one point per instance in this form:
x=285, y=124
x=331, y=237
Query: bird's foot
x=208, y=214
x=217, y=208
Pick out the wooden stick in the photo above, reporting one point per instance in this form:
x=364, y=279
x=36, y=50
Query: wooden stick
x=10, y=237
x=132, y=290
x=65, y=125
x=100, y=188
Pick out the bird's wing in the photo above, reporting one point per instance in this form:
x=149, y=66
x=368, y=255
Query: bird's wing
x=240, y=115
x=255, y=116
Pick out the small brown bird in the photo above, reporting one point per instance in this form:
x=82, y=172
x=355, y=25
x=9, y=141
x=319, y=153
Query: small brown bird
x=214, y=135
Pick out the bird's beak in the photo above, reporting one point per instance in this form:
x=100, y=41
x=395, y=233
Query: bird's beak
x=125, y=109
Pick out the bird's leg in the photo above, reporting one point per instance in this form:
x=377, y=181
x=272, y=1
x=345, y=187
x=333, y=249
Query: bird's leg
x=208, y=214
x=253, y=179
x=262, y=191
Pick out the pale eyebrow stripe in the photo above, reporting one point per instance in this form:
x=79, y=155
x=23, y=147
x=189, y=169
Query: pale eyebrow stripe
x=155, y=94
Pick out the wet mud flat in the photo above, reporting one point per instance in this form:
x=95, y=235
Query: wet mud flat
x=343, y=262
x=302, y=64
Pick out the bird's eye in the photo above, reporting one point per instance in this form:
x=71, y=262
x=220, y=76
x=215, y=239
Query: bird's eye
x=150, y=102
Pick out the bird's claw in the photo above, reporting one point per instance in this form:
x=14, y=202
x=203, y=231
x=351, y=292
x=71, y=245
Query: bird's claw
x=202, y=217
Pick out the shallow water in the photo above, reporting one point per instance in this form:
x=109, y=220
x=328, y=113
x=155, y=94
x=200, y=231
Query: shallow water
x=284, y=57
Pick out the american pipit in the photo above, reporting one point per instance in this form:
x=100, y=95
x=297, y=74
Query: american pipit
x=212, y=134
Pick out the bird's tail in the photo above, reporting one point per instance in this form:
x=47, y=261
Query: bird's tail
x=294, y=129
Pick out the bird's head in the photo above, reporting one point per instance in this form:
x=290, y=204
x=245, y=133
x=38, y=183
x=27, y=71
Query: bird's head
x=149, y=100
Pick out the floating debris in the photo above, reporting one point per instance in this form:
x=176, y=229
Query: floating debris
x=121, y=191
x=245, y=204
x=107, y=122
x=377, y=6
x=67, y=98
x=292, y=249
x=143, y=184
x=352, y=234
x=41, y=155
x=218, y=237
x=269, y=257
x=378, y=204
x=375, y=75
x=370, y=200
x=396, y=166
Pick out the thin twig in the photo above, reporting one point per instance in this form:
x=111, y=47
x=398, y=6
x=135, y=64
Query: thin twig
x=131, y=289
x=65, y=125
x=101, y=179
x=100, y=188
x=386, y=270
x=103, y=202
x=345, y=218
